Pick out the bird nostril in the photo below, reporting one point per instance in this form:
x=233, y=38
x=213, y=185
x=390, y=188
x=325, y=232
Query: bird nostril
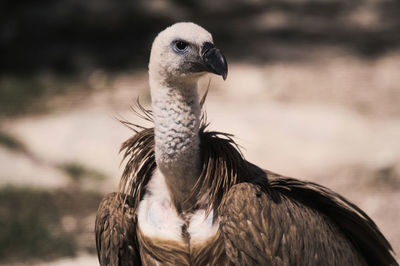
x=207, y=46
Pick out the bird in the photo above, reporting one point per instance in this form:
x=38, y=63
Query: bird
x=187, y=195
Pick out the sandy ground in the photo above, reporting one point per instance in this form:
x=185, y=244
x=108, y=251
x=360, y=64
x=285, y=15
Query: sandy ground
x=335, y=121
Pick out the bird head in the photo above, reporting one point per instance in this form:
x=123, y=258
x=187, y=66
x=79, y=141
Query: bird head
x=183, y=53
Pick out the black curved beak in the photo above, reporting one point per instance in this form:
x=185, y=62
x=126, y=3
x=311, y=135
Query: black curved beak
x=214, y=60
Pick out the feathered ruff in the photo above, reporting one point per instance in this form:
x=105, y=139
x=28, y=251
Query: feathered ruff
x=223, y=166
x=220, y=157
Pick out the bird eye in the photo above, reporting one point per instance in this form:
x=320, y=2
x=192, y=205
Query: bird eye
x=180, y=46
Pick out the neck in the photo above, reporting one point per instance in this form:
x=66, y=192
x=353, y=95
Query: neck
x=176, y=110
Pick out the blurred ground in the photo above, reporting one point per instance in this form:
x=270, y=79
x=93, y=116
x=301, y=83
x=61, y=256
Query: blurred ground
x=312, y=93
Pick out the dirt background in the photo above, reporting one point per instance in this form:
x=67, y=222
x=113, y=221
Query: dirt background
x=312, y=93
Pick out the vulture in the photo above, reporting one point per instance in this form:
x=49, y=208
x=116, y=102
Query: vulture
x=187, y=196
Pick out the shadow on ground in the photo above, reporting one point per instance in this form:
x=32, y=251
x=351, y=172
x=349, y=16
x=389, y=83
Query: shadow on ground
x=39, y=224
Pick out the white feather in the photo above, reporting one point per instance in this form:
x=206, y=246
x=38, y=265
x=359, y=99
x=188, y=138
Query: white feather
x=201, y=227
x=157, y=216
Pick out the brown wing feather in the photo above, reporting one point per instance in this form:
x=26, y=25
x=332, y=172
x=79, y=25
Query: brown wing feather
x=261, y=231
x=355, y=224
x=115, y=229
x=303, y=223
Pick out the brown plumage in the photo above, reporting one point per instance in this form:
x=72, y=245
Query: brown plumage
x=115, y=229
x=265, y=219
x=188, y=197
